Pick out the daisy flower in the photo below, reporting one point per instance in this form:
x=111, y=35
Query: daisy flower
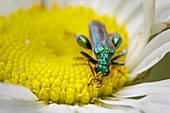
x=42, y=70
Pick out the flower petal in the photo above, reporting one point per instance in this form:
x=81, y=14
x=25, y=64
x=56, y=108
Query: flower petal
x=155, y=103
x=26, y=3
x=144, y=89
x=19, y=106
x=17, y=99
x=92, y=108
x=18, y=92
x=156, y=98
x=49, y=3
x=134, y=25
x=162, y=16
x=154, y=51
x=135, y=50
x=107, y=109
x=125, y=10
x=100, y=6
x=109, y=7
x=54, y=108
x=8, y=6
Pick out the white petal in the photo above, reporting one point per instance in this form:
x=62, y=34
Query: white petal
x=49, y=3
x=91, y=108
x=128, y=103
x=156, y=98
x=125, y=10
x=109, y=7
x=162, y=9
x=156, y=103
x=54, y=108
x=125, y=15
x=17, y=99
x=9, y=6
x=149, y=11
x=153, y=103
x=154, y=51
x=19, y=106
x=145, y=89
x=76, y=3
x=98, y=5
x=105, y=109
x=10, y=91
x=26, y=3
x=162, y=16
x=116, y=8
x=6, y=7
x=134, y=25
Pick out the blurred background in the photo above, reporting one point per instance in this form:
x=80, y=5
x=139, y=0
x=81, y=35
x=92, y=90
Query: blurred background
x=161, y=70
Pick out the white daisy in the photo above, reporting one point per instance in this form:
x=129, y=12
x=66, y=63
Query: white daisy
x=48, y=83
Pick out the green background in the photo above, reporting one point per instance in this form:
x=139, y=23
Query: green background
x=161, y=70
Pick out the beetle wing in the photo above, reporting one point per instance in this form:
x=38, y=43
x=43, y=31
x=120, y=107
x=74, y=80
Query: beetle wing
x=99, y=36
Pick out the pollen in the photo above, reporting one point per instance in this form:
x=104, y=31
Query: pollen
x=38, y=50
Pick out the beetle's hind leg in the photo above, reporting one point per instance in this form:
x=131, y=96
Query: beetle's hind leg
x=116, y=39
x=83, y=41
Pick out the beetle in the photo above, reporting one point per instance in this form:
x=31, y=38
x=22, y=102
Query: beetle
x=102, y=47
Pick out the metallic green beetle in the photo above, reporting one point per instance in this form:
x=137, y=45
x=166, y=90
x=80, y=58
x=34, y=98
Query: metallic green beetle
x=103, y=47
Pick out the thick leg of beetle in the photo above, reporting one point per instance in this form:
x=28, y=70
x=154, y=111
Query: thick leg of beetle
x=83, y=41
x=118, y=63
x=89, y=57
x=119, y=55
x=116, y=39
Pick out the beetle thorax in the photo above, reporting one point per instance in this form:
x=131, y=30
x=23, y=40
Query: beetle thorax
x=103, y=62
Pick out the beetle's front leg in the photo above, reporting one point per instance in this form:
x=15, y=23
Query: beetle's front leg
x=89, y=57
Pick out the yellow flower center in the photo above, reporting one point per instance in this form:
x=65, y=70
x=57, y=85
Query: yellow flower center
x=38, y=50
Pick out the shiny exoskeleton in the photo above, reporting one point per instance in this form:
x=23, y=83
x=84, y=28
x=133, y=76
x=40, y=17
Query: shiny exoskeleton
x=102, y=46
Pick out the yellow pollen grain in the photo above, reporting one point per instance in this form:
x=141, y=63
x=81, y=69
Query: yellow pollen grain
x=38, y=50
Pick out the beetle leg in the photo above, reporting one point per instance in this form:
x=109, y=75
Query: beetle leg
x=83, y=41
x=118, y=63
x=89, y=57
x=116, y=39
x=91, y=68
x=119, y=55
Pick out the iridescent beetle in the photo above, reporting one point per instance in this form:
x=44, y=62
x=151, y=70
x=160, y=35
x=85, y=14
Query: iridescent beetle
x=102, y=46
